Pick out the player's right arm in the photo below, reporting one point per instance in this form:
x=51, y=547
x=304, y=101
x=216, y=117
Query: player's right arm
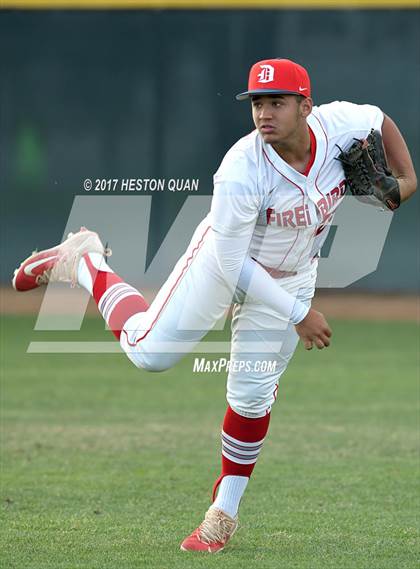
x=235, y=207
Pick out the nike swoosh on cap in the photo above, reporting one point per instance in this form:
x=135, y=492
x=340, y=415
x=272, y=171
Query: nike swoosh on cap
x=303, y=88
x=28, y=269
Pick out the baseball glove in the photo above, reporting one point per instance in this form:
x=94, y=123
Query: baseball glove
x=367, y=173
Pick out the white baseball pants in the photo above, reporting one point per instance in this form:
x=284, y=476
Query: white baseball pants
x=195, y=297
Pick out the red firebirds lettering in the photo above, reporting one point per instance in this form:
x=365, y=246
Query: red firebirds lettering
x=300, y=215
x=297, y=217
x=331, y=198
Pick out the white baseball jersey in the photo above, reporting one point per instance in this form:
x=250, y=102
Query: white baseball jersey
x=264, y=214
x=292, y=208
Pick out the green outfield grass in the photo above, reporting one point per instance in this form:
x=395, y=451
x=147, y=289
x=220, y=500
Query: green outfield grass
x=108, y=467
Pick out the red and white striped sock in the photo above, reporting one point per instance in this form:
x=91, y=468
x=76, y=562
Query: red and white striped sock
x=117, y=301
x=242, y=441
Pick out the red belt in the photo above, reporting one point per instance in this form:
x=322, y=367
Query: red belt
x=275, y=273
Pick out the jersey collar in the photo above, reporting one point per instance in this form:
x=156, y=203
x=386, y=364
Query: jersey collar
x=320, y=154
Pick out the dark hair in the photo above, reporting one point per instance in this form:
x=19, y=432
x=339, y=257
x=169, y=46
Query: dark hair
x=299, y=98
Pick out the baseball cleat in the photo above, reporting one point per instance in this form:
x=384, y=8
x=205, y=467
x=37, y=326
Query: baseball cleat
x=212, y=534
x=58, y=264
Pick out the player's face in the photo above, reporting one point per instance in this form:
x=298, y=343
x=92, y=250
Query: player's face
x=277, y=118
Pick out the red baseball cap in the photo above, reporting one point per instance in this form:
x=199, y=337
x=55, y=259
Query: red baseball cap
x=277, y=77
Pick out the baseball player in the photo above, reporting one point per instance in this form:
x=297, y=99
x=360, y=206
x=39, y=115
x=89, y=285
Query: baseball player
x=275, y=194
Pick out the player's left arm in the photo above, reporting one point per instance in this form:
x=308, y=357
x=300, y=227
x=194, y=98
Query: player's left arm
x=398, y=157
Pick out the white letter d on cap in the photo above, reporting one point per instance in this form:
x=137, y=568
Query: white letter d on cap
x=266, y=75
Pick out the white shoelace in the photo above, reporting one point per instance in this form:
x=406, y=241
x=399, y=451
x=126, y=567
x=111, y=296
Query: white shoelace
x=64, y=267
x=216, y=527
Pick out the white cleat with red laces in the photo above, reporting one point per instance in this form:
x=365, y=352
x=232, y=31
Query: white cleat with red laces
x=212, y=534
x=58, y=264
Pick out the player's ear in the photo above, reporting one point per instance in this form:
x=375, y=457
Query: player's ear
x=306, y=106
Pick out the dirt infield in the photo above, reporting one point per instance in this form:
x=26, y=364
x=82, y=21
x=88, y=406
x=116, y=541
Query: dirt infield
x=346, y=305
x=368, y=306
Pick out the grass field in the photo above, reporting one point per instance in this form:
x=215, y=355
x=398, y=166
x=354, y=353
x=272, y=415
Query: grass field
x=108, y=467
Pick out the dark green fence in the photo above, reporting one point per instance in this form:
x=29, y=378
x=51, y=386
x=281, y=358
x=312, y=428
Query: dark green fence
x=141, y=94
